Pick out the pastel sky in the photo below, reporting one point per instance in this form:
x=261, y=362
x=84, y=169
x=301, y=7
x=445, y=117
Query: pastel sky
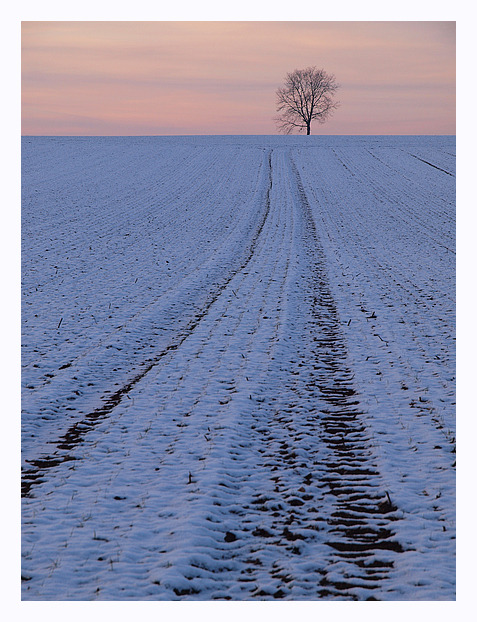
x=181, y=78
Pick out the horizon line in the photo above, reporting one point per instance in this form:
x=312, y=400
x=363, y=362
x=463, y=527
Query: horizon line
x=214, y=135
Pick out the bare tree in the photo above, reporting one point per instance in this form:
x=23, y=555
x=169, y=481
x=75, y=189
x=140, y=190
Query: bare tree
x=307, y=96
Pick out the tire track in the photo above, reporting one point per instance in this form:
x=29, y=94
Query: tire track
x=186, y=430
x=360, y=525
x=141, y=224
x=76, y=432
x=409, y=314
x=311, y=493
x=415, y=364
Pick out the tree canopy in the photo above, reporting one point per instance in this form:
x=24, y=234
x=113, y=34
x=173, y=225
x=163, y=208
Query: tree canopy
x=307, y=96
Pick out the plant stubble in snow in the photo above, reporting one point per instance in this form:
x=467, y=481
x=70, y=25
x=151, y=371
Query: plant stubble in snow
x=238, y=368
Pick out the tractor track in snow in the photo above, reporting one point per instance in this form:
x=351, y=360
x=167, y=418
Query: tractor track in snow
x=319, y=500
x=66, y=372
x=74, y=435
x=361, y=524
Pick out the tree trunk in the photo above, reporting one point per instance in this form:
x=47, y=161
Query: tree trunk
x=308, y=129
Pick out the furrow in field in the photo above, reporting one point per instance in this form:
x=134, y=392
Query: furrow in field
x=267, y=477
x=407, y=301
x=33, y=473
x=193, y=407
x=433, y=165
x=95, y=377
x=361, y=517
x=375, y=183
x=210, y=396
x=424, y=290
x=118, y=227
x=408, y=261
x=303, y=456
x=399, y=327
x=419, y=205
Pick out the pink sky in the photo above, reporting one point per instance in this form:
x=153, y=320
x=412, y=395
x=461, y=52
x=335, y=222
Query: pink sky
x=180, y=78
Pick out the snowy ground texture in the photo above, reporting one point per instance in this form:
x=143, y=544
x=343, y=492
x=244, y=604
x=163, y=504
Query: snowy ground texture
x=238, y=368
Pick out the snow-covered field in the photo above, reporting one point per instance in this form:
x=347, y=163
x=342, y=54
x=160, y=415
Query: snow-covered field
x=238, y=368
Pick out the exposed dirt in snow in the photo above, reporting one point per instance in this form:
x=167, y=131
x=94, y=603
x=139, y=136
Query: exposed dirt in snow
x=238, y=368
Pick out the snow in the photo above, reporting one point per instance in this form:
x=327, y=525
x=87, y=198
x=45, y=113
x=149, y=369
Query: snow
x=233, y=350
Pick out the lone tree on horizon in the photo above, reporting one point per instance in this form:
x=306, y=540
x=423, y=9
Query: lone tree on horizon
x=307, y=96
